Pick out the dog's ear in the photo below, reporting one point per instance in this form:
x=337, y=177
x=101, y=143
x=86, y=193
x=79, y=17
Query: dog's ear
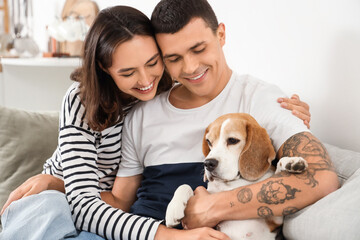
x=205, y=179
x=205, y=149
x=257, y=154
x=205, y=146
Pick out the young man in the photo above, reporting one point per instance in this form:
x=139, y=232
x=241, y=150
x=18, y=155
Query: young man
x=162, y=137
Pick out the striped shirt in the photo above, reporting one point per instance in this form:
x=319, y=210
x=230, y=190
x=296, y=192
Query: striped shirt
x=87, y=161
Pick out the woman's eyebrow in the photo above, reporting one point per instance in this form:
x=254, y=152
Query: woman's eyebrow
x=130, y=69
x=153, y=57
x=125, y=70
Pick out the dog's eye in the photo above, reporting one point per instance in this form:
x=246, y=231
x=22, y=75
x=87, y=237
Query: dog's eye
x=208, y=142
x=232, y=141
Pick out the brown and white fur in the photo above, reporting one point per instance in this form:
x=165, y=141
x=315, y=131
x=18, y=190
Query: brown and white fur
x=238, y=152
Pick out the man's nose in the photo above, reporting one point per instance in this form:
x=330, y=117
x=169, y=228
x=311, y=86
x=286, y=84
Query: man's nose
x=190, y=64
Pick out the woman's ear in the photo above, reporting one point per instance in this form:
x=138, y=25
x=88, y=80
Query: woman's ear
x=102, y=68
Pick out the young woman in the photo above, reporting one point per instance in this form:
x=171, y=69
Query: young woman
x=121, y=65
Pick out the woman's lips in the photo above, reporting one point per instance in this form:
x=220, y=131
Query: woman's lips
x=146, y=89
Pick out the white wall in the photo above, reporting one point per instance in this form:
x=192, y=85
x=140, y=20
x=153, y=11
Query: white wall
x=309, y=47
x=35, y=85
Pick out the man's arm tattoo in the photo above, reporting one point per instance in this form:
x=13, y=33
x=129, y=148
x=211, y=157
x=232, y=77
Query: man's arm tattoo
x=245, y=195
x=307, y=146
x=289, y=210
x=276, y=192
x=265, y=212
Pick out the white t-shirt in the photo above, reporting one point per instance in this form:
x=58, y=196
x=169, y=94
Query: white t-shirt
x=164, y=143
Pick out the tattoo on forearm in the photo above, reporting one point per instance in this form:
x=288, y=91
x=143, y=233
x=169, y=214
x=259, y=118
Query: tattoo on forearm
x=289, y=210
x=232, y=204
x=276, y=192
x=265, y=212
x=307, y=176
x=306, y=145
x=245, y=195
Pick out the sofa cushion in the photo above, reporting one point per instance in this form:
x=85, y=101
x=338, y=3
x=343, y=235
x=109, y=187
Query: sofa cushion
x=346, y=162
x=27, y=139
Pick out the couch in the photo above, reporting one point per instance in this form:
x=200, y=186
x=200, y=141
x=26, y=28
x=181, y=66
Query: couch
x=27, y=139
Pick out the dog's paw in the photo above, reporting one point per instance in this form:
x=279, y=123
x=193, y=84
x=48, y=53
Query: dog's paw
x=292, y=165
x=177, y=205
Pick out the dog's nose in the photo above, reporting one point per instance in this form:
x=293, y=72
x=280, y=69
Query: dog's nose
x=211, y=164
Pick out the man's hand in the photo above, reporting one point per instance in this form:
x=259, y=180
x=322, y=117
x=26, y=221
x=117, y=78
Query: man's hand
x=320, y=179
x=204, y=233
x=198, y=208
x=297, y=107
x=34, y=185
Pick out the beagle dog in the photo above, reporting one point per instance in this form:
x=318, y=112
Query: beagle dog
x=238, y=152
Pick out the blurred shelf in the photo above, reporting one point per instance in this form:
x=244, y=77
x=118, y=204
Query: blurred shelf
x=41, y=62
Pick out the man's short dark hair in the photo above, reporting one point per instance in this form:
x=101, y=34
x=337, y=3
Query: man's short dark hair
x=170, y=16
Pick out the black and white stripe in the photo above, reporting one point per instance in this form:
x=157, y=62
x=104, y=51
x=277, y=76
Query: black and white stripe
x=87, y=161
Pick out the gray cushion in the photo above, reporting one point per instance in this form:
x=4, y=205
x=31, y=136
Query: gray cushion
x=346, y=162
x=335, y=216
x=27, y=139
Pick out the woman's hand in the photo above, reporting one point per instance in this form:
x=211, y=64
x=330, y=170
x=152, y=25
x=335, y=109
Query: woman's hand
x=35, y=185
x=297, y=107
x=204, y=233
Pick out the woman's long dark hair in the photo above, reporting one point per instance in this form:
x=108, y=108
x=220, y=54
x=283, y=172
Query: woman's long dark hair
x=103, y=101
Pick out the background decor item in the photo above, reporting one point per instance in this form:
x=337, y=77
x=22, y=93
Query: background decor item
x=6, y=42
x=21, y=23
x=5, y=38
x=70, y=31
x=4, y=8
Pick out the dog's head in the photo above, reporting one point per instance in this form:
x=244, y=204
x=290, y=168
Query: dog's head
x=235, y=146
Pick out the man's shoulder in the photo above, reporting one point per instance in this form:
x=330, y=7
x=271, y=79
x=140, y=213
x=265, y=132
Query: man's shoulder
x=250, y=80
x=249, y=85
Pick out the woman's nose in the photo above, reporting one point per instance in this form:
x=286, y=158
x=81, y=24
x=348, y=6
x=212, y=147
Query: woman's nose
x=144, y=78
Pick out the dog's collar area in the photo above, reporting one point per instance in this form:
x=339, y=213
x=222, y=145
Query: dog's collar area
x=238, y=176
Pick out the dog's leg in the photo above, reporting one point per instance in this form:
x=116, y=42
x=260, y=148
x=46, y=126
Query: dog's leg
x=177, y=205
x=291, y=164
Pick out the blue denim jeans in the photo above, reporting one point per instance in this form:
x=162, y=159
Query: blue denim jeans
x=42, y=216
